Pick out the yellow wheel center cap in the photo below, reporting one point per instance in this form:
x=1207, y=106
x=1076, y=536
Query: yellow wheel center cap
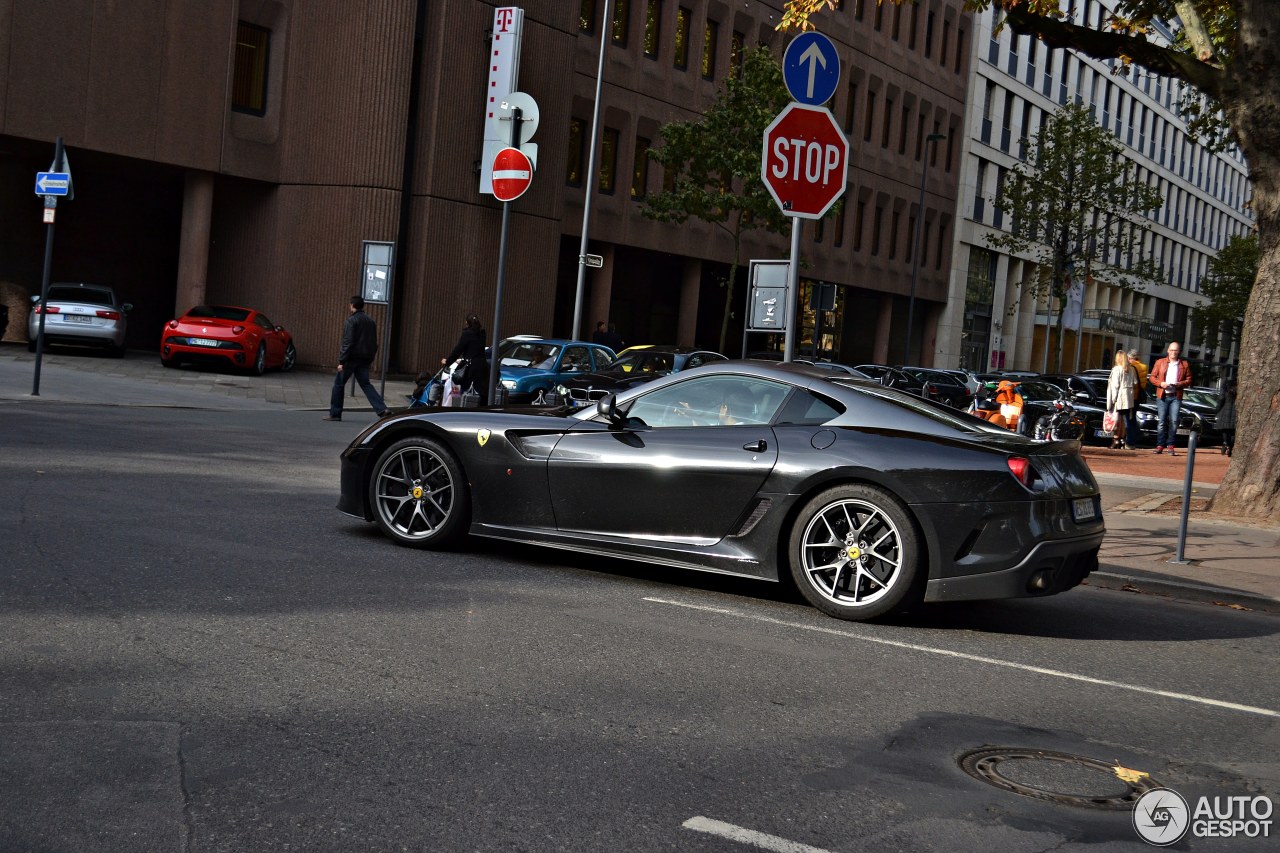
x=417, y=492
x=854, y=552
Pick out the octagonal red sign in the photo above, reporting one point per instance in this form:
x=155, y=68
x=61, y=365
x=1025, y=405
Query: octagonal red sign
x=512, y=174
x=805, y=163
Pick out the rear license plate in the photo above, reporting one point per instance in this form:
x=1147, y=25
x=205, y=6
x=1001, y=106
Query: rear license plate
x=1100, y=433
x=76, y=318
x=201, y=342
x=1184, y=432
x=1084, y=509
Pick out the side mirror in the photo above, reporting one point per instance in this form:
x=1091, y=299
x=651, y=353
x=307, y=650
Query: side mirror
x=279, y=328
x=607, y=408
x=127, y=307
x=1083, y=396
x=35, y=297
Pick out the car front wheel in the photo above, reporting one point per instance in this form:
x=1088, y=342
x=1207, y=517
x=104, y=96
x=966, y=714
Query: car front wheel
x=855, y=553
x=419, y=494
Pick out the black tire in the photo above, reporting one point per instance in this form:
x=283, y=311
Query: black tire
x=259, y=361
x=31, y=346
x=419, y=495
x=290, y=357
x=855, y=553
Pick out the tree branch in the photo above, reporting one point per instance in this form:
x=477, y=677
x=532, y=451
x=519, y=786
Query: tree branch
x=1171, y=62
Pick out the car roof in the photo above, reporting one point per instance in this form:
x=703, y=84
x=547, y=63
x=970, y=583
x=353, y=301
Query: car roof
x=664, y=348
x=560, y=342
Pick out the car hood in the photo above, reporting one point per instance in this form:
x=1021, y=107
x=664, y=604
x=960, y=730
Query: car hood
x=519, y=373
x=609, y=380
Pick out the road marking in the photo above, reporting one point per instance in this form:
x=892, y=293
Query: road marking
x=1056, y=673
x=747, y=836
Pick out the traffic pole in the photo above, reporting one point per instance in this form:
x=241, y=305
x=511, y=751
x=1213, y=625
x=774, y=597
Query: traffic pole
x=44, y=281
x=793, y=288
x=1179, y=556
x=495, y=361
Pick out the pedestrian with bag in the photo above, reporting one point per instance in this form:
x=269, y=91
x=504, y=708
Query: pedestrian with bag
x=1170, y=376
x=474, y=370
x=1139, y=397
x=359, y=346
x=1121, y=387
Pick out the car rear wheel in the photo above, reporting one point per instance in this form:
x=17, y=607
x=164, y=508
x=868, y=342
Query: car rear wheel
x=855, y=553
x=290, y=357
x=260, y=361
x=419, y=494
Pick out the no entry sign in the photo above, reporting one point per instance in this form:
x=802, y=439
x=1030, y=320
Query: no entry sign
x=805, y=163
x=512, y=174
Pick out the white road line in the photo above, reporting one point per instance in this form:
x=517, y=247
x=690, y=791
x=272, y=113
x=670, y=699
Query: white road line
x=1056, y=673
x=748, y=836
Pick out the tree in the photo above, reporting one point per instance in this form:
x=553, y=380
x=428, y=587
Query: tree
x=1076, y=210
x=713, y=164
x=1228, y=51
x=1227, y=284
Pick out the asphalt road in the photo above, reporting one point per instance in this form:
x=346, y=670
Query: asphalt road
x=199, y=653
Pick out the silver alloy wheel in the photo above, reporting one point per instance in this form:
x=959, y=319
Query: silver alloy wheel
x=852, y=553
x=290, y=357
x=414, y=493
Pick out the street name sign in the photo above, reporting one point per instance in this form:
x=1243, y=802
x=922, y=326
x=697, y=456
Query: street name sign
x=53, y=183
x=805, y=163
x=811, y=68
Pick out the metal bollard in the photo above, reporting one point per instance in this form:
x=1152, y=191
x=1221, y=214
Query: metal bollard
x=1179, y=556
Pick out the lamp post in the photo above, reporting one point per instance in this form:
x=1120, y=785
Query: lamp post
x=589, y=183
x=915, y=255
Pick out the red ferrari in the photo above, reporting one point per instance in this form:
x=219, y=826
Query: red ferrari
x=222, y=334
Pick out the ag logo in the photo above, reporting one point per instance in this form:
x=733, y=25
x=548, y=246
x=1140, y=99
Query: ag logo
x=482, y=436
x=1161, y=817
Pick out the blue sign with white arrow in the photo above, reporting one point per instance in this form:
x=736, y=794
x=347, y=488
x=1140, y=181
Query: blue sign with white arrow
x=811, y=68
x=53, y=183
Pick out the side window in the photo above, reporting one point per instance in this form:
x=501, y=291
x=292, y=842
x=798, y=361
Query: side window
x=262, y=321
x=603, y=359
x=575, y=359
x=694, y=360
x=804, y=408
x=710, y=401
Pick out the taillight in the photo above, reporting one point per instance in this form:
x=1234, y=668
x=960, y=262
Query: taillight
x=173, y=324
x=109, y=315
x=52, y=309
x=237, y=329
x=1020, y=468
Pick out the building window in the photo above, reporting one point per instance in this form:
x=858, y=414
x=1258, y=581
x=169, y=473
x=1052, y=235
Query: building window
x=870, y=121
x=573, y=165
x=608, y=160
x=640, y=169
x=858, y=223
x=735, y=53
x=709, y=38
x=652, y=23
x=959, y=49
x=249, y=83
x=942, y=244
x=850, y=108
x=893, y=235
x=915, y=26
x=879, y=16
x=877, y=224
x=837, y=239
x=587, y=17
x=928, y=35
x=618, y=29
x=902, y=131
x=683, y=17
x=885, y=128
x=897, y=22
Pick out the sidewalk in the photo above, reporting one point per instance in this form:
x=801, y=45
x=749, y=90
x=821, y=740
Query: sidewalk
x=1229, y=563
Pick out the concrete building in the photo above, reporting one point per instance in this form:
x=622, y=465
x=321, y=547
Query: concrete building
x=239, y=151
x=1016, y=83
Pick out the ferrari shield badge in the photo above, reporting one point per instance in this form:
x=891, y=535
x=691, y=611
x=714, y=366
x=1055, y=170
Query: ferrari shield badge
x=482, y=436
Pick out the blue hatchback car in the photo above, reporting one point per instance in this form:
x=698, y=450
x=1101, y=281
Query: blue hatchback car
x=530, y=367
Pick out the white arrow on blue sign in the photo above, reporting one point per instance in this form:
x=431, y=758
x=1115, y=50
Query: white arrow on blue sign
x=52, y=183
x=811, y=68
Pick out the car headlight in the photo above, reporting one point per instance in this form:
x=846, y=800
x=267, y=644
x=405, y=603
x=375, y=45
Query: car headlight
x=509, y=384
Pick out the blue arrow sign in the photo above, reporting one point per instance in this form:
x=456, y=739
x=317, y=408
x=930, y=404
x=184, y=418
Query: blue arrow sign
x=52, y=183
x=811, y=68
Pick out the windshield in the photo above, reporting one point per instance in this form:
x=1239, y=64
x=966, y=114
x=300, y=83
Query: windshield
x=644, y=362
x=1201, y=398
x=219, y=312
x=1097, y=386
x=89, y=295
x=537, y=354
x=1040, y=391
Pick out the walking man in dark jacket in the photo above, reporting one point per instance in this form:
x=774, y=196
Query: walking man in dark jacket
x=359, y=346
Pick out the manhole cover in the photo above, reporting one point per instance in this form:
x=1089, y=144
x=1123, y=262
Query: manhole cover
x=1058, y=777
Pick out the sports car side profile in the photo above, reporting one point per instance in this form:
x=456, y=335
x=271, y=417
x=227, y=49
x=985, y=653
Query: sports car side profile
x=870, y=499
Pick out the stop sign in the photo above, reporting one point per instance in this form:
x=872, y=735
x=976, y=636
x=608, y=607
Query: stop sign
x=512, y=174
x=806, y=160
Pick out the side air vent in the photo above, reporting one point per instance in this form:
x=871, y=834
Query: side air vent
x=753, y=518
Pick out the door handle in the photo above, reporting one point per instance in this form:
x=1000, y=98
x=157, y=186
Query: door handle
x=756, y=446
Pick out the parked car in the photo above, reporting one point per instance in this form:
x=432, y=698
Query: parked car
x=635, y=366
x=967, y=378
x=871, y=499
x=81, y=315
x=834, y=367
x=1148, y=427
x=941, y=386
x=530, y=367
x=228, y=336
x=892, y=377
x=1204, y=403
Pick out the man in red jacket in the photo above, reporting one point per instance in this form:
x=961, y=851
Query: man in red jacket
x=1169, y=376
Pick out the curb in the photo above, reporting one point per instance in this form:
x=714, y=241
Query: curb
x=1151, y=584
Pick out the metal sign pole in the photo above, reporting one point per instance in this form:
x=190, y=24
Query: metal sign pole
x=793, y=287
x=495, y=361
x=589, y=180
x=1180, y=557
x=386, y=349
x=44, y=279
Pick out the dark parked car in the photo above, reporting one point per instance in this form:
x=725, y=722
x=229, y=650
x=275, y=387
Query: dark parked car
x=871, y=499
x=637, y=366
x=941, y=386
x=1204, y=403
x=834, y=367
x=1147, y=426
x=892, y=377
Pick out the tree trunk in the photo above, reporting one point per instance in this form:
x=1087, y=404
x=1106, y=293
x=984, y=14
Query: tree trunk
x=1251, y=486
